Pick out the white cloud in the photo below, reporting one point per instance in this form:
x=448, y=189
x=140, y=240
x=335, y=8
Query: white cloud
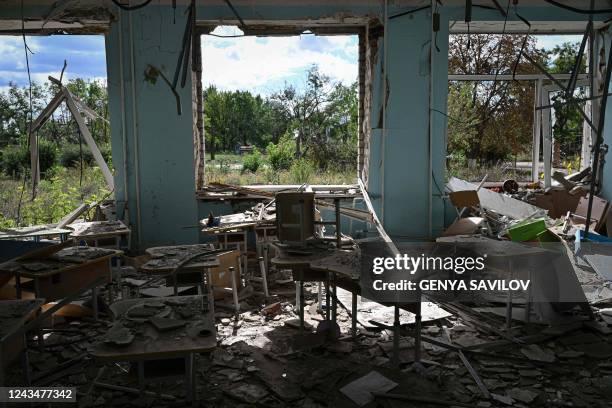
x=549, y=42
x=263, y=64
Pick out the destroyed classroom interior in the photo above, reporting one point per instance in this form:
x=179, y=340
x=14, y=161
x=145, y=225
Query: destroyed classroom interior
x=176, y=290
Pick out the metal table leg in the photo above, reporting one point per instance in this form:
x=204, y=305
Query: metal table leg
x=94, y=301
x=417, y=328
x=234, y=290
x=338, y=225
x=141, y=378
x=319, y=296
x=334, y=299
x=18, y=285
x=264, y=276
x=211, y=292
x=327, y=303
x=509, y=300
x=246, y=259
x=301, y=307
x=354, y=315
x=396, y=336
x=266, y=253
x=190, y=386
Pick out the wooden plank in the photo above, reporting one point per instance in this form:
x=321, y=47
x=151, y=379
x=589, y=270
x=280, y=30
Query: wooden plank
x=40, y=120
x=87, y=111
x=376, y=221
x=108, y=176
x=73, y=215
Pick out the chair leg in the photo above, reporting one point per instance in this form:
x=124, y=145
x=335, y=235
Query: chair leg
x=234, y=289
x=264, y=276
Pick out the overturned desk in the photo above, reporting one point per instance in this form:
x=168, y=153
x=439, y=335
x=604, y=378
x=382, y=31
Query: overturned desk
x=151, y=331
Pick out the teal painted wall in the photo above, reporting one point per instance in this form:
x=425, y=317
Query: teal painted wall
x=160, y=155
x=607, y=131
x=400, y=153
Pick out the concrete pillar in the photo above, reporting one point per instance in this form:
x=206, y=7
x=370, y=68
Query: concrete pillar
x=153, y=148
x=606, y=176
x=409, y=145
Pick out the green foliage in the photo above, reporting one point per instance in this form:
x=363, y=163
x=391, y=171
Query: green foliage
x=323, y=115
x=57, y=196
x=240, y=118
x=252, y=162
x=16, y=159
x=302, y=171
x=490, y=121
x=70, y=155
x=568, y=120
x=47, y=156
x=281, y=155
x=15, y=113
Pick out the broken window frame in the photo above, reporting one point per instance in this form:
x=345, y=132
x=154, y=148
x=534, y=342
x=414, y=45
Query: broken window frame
x=365, y=33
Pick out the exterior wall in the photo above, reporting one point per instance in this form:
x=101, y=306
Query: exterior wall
x=368, y=68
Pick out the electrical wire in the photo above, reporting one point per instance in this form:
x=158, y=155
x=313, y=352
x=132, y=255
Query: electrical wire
x=26, y=50
x=499, y=49
x=578, y=10
x=231, y=6
x=131, y=8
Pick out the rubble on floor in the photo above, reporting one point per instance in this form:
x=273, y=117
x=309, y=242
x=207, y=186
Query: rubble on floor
x=261, y=359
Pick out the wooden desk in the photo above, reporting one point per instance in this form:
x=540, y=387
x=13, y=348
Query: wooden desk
x=319, y=265
x=36, y=232
x=63, y=273
x=198, y=335
x=13, y=315
x=100, y=230
x=165, y=259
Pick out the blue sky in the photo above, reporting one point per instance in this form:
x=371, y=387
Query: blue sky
x=261, y=65
x=85, y=56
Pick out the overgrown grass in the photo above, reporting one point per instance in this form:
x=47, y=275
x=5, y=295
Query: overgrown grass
x=57, y=196
x=504, y=171
x=228, y=169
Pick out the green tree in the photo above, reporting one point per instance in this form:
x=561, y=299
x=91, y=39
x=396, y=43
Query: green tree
x=567, y=128
x=323, y=116
x=494, y=117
